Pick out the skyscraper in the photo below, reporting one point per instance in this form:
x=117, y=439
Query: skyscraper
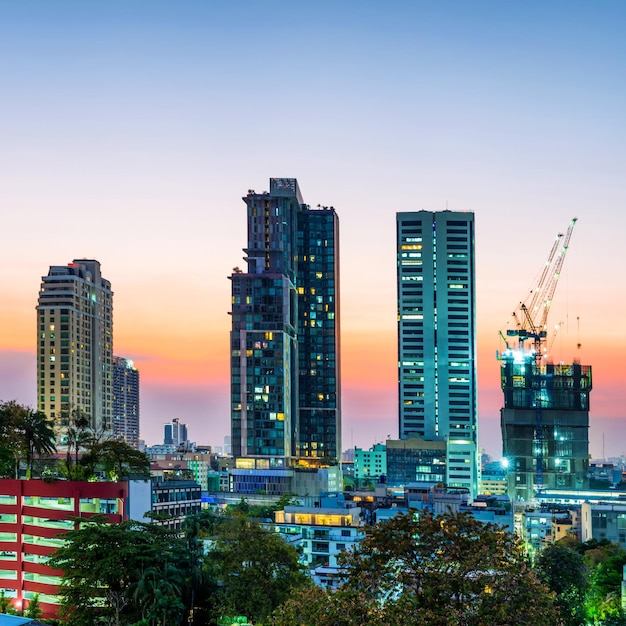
x=285, y=384
x=437, y=372
x=126, y=401
x=175, y=433
x=75, y=339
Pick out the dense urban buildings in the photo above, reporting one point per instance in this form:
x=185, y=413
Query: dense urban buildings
x=75, y=339
x=126, y=401
x=285, y=377
x=437, y=371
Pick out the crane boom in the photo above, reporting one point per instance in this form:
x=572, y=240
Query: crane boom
x=551, y=287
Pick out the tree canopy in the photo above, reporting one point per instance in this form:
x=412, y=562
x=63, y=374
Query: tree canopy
x=437, y=571
x=25, y=437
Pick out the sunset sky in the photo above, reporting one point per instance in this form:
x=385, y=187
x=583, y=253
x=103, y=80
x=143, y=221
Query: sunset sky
x=130, y=130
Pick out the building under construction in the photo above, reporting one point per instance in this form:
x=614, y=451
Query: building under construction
x=545, y=424
x=545, y=418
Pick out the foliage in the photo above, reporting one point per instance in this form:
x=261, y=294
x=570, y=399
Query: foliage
x=441, y=571
x=117, y=459
x=564, y=571
x=34, y=610
x=607, y=561
x=254, y=569
x=25, y=436
x=121, y=573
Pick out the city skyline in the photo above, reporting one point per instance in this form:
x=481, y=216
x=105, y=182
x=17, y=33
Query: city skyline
x=132, y=133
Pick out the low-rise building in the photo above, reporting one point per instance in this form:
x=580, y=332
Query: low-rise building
x=321, y=533
x=34, y=514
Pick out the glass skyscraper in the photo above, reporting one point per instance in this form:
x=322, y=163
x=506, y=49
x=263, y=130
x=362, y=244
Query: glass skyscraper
x=285, y=388
x=437, y=372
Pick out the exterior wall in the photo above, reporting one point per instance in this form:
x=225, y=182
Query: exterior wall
x=319, y=380
x=75, y=345
x=370, y=463
x=176, y=499
x=437, y=337
x=415, y=460
x=126, y=401
x=604, y=521
x=552, y=400
x=32, y=515
x=321, y=534
x=285, y=377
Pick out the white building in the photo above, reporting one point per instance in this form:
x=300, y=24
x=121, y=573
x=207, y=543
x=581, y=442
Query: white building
x=322, y=533
x=437, y=337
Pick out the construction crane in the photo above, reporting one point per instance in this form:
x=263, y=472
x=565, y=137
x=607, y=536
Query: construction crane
x=531, y=325
x=531, y=319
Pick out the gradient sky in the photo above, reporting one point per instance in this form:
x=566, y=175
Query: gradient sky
x=130, y=130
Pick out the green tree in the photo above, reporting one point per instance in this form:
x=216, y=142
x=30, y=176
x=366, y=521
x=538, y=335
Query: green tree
x=25, y=435
x=564, y=571
x=253, y=569
x=103, y=565
x=606, y=561
x=34, y=610
x=436, y=571
x=76, y=437
x=117, y=459
x=37, y=435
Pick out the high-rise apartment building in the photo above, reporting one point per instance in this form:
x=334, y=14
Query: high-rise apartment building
x=285, y=384
x=126, y=401
x=437, y=371
x=75, y=346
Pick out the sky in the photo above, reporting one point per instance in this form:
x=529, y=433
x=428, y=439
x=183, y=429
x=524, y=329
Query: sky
x=131, y=129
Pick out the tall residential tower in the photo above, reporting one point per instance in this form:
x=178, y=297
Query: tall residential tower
x=75, y=339
x=126, y=401
x=285, y=382
x=437, y=372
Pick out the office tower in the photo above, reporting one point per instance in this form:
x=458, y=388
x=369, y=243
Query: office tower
x=437, y=337
x=175, y=433
x=75, y=339
x=126, y=401
x=285, y=384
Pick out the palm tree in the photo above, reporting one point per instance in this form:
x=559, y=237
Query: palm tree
x=158, y=592
x=26, y=433
x=38, y=437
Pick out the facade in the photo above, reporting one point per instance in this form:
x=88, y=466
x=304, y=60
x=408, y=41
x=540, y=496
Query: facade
x=437, y=370
x=175, y=434
x=75, y=346
x=285, y=385
x=34, y=513
x=545, y=424
x=175, y=499
x=126, y=401
x=604, y=520
x=415, y=460
x=321, y=534
x=370, y=465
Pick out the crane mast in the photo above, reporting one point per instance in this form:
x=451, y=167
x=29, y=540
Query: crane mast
x=531, y=325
